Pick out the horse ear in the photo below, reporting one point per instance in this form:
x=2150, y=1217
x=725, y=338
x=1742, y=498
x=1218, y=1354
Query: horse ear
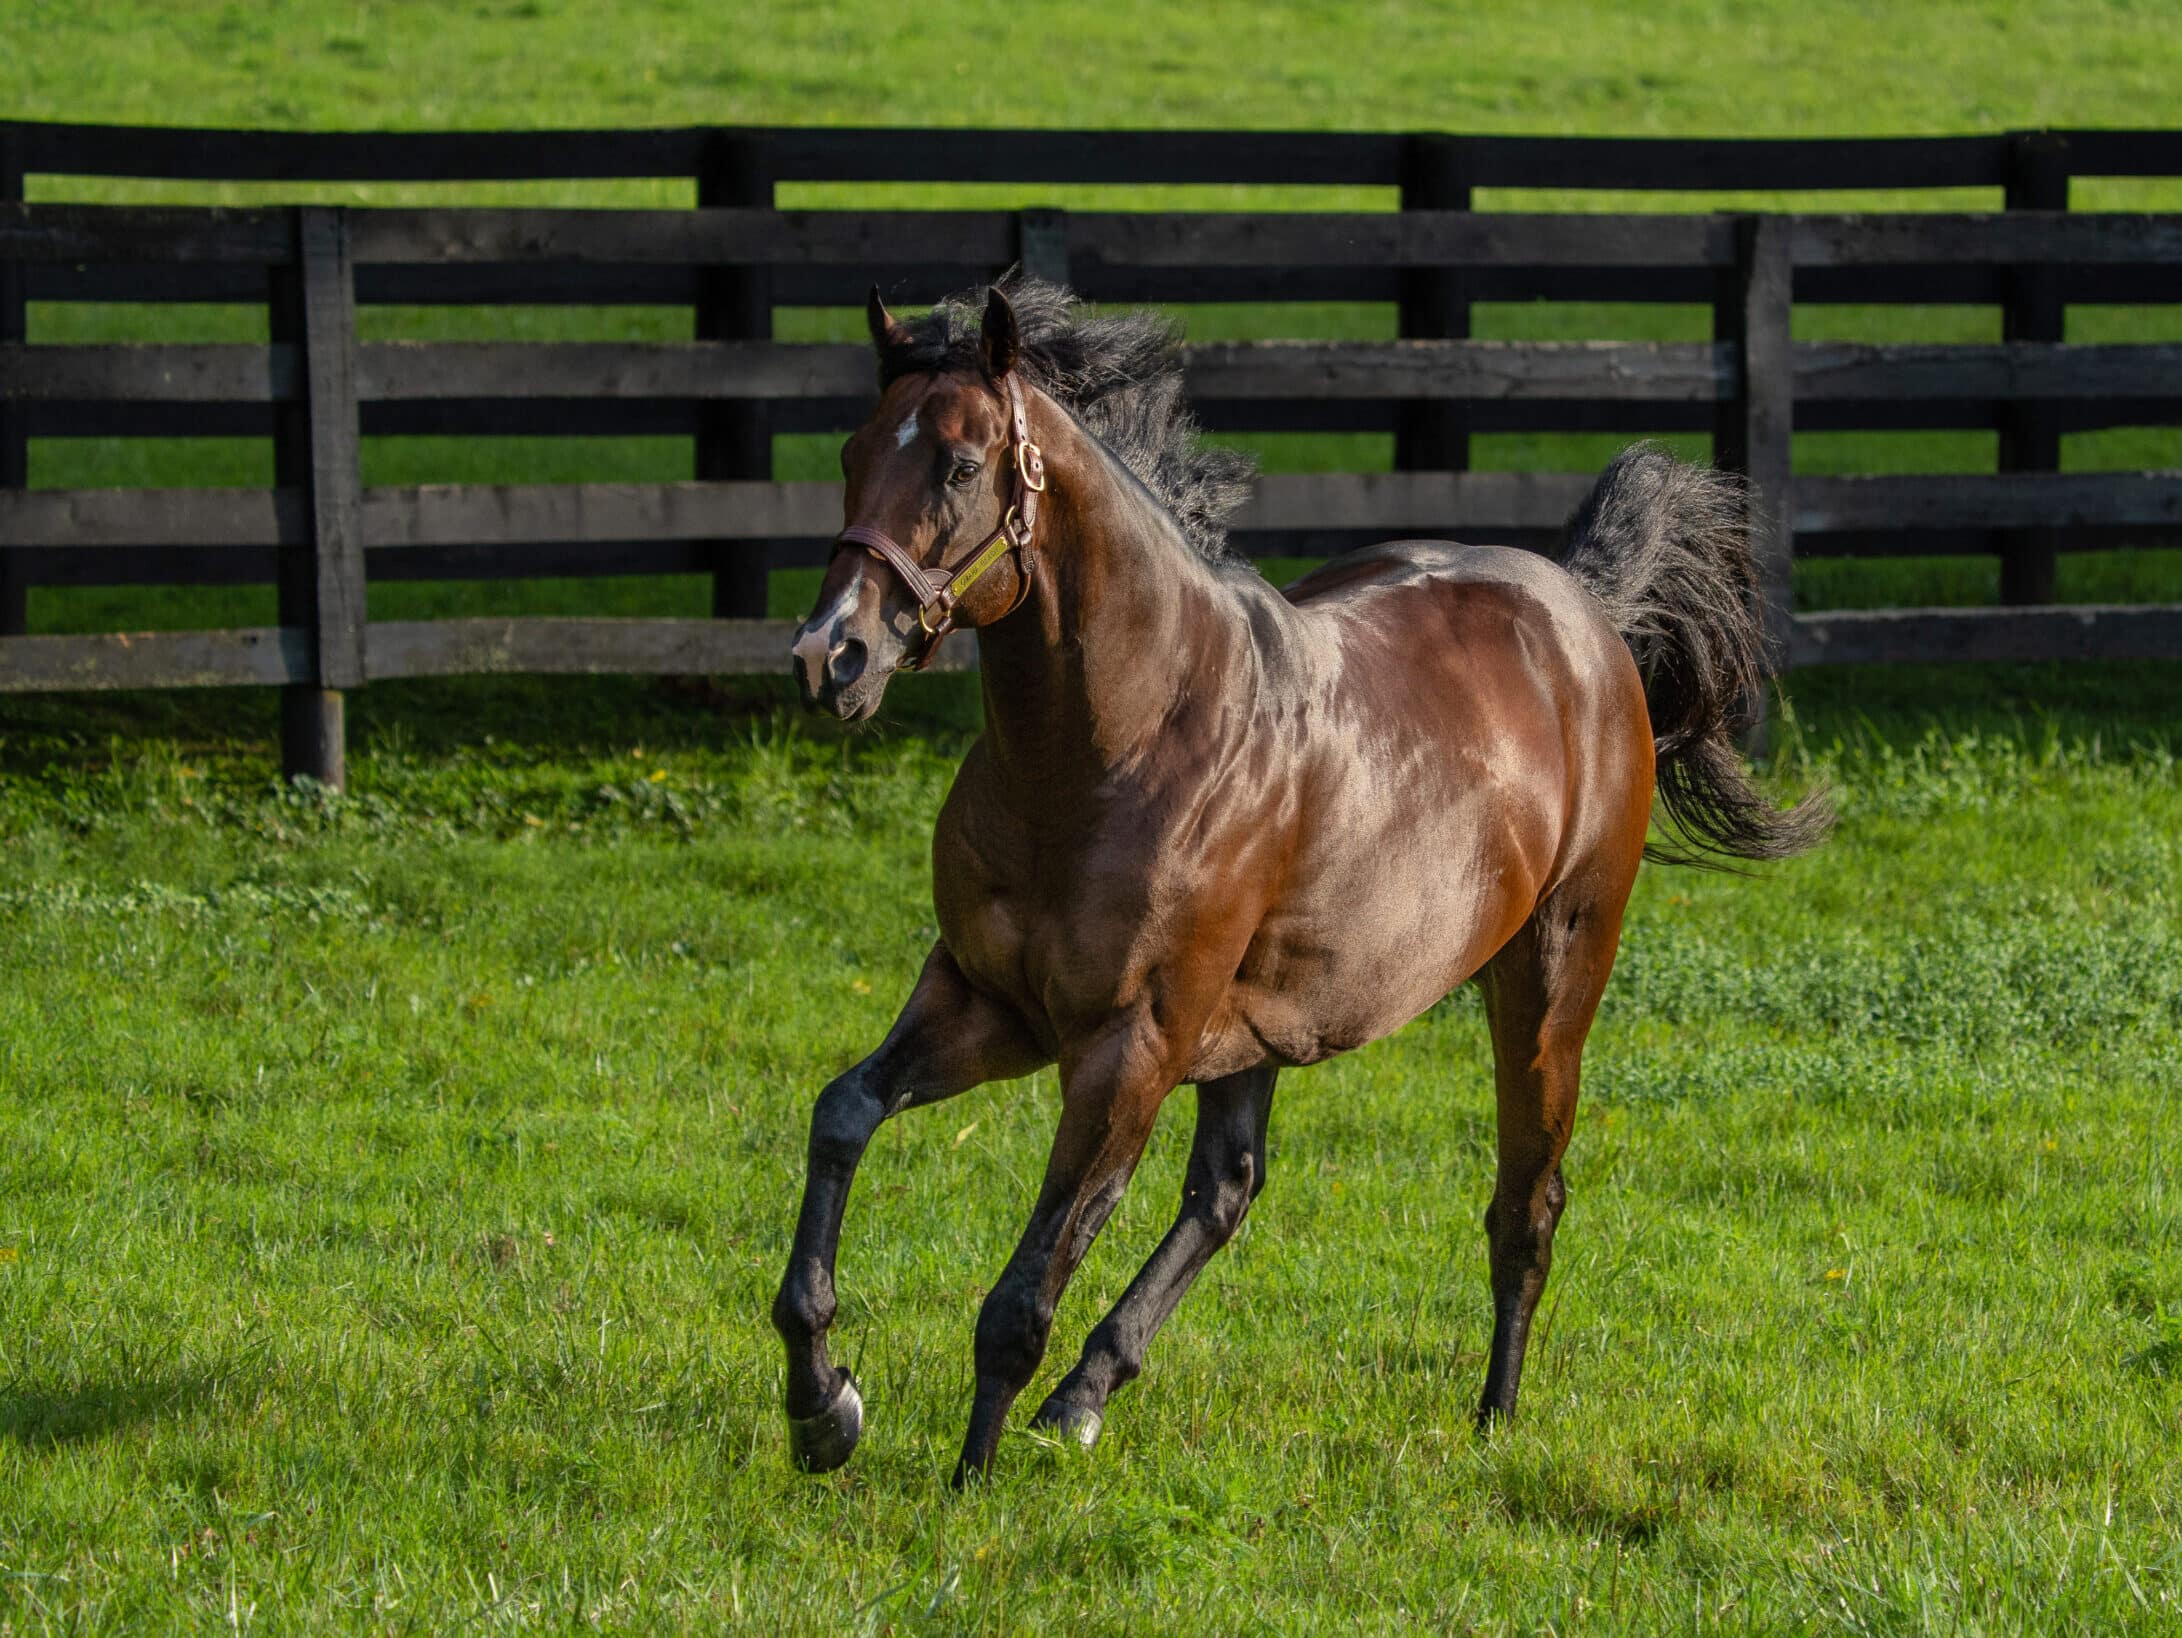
x=888, y=333
x=1001, y=340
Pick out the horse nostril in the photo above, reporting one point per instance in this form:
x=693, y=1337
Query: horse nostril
x=846, y=663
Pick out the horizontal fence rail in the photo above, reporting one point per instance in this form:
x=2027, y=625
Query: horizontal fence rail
x=317, y=389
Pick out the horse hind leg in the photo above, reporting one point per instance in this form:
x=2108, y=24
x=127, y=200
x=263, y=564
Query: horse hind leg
x=1541, y=991
x=1226, y=1171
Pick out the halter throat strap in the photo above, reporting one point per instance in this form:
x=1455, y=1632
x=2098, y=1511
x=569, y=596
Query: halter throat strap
x=939, y=595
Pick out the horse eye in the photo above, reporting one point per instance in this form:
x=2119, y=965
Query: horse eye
x=963, y=472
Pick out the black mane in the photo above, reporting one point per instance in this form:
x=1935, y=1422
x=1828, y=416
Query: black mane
x=1120, y=376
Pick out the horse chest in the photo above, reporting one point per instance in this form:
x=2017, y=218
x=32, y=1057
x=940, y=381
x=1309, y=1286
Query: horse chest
x=1057, y=929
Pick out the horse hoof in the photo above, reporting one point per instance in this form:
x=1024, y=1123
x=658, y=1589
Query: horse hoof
x=822, y=1442
x=1078, y=1422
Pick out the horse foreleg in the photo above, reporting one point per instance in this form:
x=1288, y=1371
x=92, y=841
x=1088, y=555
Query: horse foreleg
x=1226, y=1171
x=1109, y=1101
x=1540, y=993
x=947, y=1040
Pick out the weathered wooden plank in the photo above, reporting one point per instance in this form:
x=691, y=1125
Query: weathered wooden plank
x=2016, y=370
x=1429, y=503
x=458, y=648
x=2030, y=500
x=2088, y=240
x=1743, y=164
x=144, y=233
x=1144, y=157
x=461, y=514
x=456, y=514
x=721, y=237
x=1312, y=158
x=2121, y=153
x=840, y=154
x=92, y=518
x=2109, y=631
x=258, y=655
x=400, y=371
x=1408, y=239
x=191, y=154
x=879, y=155
x=865, y=239
x=160, y=372
x=1685, y=372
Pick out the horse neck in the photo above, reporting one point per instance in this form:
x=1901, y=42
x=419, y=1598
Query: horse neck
x=1124, y=617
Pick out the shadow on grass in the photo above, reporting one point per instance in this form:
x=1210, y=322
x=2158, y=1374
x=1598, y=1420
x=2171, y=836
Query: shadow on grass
x=41, y=1418
x=441, y=718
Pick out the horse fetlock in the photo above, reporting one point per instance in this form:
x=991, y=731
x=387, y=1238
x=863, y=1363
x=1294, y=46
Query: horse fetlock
x=822, y=1441
x=1070, y=1419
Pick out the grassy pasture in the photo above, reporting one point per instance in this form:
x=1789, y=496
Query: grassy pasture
x=396, y=1183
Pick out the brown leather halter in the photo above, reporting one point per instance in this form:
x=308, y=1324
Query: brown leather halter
x=938, y=596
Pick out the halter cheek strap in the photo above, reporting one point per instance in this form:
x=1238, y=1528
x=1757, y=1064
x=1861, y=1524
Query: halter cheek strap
x=939, y=595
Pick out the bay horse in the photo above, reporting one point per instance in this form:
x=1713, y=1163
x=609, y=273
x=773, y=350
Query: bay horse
x=1213, y=829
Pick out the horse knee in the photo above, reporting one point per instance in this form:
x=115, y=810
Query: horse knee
x=842, y=1121
x=1011, y=1332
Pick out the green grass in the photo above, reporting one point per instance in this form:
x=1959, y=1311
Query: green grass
x=398, y=1183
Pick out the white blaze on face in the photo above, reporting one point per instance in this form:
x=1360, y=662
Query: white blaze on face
x=907, y=431
x=843, y=606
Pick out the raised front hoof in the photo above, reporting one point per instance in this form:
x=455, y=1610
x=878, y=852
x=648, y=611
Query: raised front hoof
x=821, y=1443
x=1079, y=1424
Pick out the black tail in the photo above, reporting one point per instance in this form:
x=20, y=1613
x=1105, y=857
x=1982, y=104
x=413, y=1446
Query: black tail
x=1666, y=547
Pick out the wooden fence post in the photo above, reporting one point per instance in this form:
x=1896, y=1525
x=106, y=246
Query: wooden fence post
x=1041, y=244
x=2034, y=311
x=1435, y=304
x=1763, y=433
x=14, y=433
x=735, y=436
x=317, y=448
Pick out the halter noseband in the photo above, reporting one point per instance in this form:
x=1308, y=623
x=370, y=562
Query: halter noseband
x=938, y=596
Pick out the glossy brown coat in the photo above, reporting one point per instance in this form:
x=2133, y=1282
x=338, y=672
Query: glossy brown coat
x=1213, y=830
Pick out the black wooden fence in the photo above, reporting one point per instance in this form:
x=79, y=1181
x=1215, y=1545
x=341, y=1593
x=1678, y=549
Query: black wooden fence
x=317, y=390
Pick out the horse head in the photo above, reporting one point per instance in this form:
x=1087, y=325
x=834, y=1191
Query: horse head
x=941, y=505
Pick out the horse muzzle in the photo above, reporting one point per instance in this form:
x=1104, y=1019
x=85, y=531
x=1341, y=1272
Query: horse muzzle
x=835, y=673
